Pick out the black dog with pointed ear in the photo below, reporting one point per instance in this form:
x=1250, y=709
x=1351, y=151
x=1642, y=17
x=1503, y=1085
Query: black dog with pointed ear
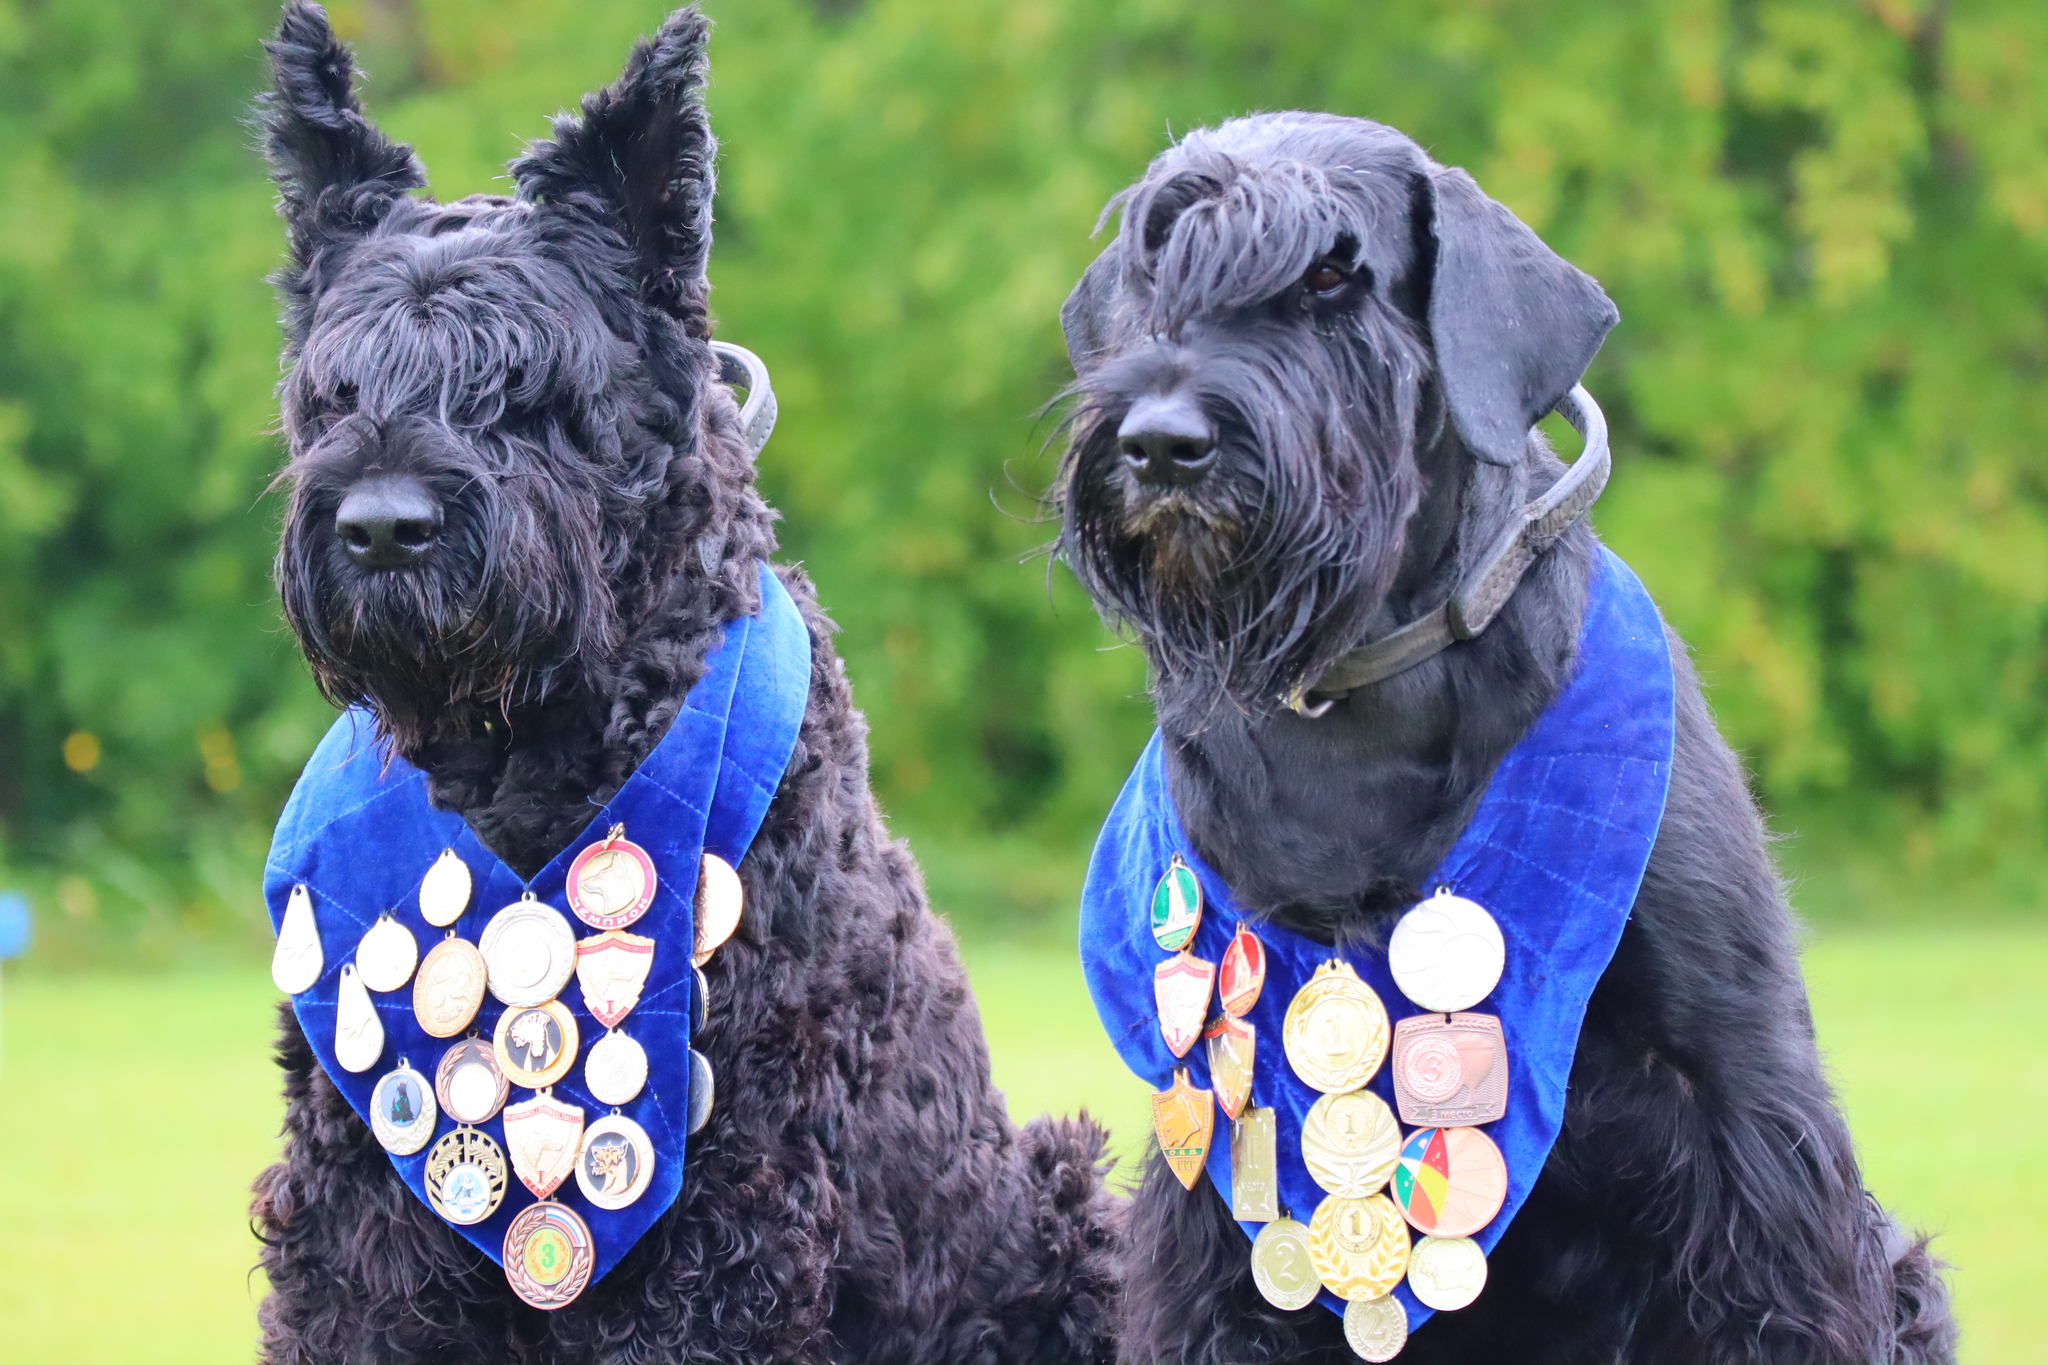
x=1307, y=369
x=521, y=511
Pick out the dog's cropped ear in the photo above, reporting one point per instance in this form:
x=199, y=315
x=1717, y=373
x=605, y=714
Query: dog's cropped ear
x=1085, y=318
x=1514, y=323
x=642, y=159
x=336, y=175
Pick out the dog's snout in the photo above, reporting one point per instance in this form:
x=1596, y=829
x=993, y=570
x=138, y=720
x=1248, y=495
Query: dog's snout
x=387, y=521
x=1166, y=439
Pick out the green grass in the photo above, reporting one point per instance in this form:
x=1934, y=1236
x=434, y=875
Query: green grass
x=137, y=1110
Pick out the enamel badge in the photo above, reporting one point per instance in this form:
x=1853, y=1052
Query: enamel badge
x=612, y=882
x=543, y=1136
x=1242, y=974
x=1450, y=1072
x=535, y=1046
x=1176, y=907
x=1184, y=1119
x=616, y=1164
x=1181, y=987
x=1232, y=1043
x=612, y=968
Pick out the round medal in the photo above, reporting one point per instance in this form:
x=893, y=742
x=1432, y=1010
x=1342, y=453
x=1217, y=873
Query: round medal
x=1446, y=1273
x=700, y=1000
x=1375, y=1329
x=1360, y=1246
x=296, y=962
x=720, y=900
x=1446, y=954
x=612, y=882
x=616, y=1164
x=1336, y=1030
x=1242, y=973
x=1176, y=906
x=358, y=1033
x=402, y=1111
x=1282, y=1266
x=386, y=956
x=468, y=1082
x=615, y=1069
x=535, y=1045
x=1350, y=1143
x=548, y=1254
x=529, y=952
x=703, y=1090
x=1450, y=1182
x=449, y=987
x=444, y=892
x=465, y=1176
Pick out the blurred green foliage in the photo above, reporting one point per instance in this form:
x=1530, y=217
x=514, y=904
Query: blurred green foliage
x=1826, y=225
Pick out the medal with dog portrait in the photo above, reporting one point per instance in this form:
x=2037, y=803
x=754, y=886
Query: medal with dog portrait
x=720, y=902
x=1254, y=1166
x=387, y=954
x=1242, y=974
x=1350, y=1143
x=296, y=962
x=612, y=968
x=402, y=1110
x=1336, y=1030
x=529, y=951
x=612, y=882
x=1360, y=1246
x=548, y=1254
x=1181, y=986
x=536, y=1045
x=1176, y=907
x=444, y=892
x=469, y=1083
x=617, y=1162
x=1450, y=1072
x=465, y=1176
x=1283, y=1267
x=1184, y=1119
x=615, y=1069
x=448, y=989
x=543, y=1135
x=1231, y=1045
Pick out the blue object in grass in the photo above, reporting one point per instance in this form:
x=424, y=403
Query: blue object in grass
x=14, y=925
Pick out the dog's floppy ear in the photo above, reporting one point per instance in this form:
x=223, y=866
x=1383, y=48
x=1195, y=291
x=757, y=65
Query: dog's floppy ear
x=1086, y=315
x=1514, y=323
x=336, y=175
x=641, y=158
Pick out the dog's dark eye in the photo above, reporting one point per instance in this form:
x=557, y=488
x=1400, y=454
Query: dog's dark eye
x=1325, y=277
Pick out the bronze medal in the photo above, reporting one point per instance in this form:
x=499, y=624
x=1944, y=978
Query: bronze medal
x=1336, y=1030
x=536, y=1045
x=720, y=901
x=548, y=1254
x=358, y=1032
x=612, y=968
x=1283, y=1267
x=469, y=1083
x=1446, y=954
x=1242, y=974
x=1181, y=986
x=465, y=1176
x=1350, y=1143
x=1450, y=1072
x=1255, y=1166
x=1176, y=907
x=1232, y=1044
x=1446, y=1273
x=615, y=1069
x=296, y=962
x=1360, y=1246
x=1184, y=1119
x=543, y=1135
x=402, y=1110
x=1375, y=1329
x=612, y=882
x=616, y=1164
x=1450, y=1182
x=444, y=891
x=448, y=989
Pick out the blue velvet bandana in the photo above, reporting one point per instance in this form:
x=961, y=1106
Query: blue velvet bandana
x=1555, y=850
x=359, y=834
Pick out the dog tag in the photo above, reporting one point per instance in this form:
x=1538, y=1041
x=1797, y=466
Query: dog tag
x=1350, y=1143
x=1181, y=987
x=1446, y=1273
x=1184, y=1119
x=1283, y=1267
x=1254, y=1167
x=703, y=1091
x=535, y=1045
x=529, y=951
x=548, y=1254
x=1450, y=1072
x=469, y=1084
x=444, y=892
x=543, y=1136
x=358, y=1032
x=465, y=1176
x=1231, y=1045
x=296, y=962
x=612, y=968
x=616, y=1164
x=1242, y=973
x=1450, y=1182
x=616, y=1069
x=387, y=954
x=612, y=882
x=402, y=1110
x=720, y=899
x=1375, y=1329
x=1176, y=906
x=449, y=987
x=1446, y=954
x=1336, y=1030
x=1360, y=1246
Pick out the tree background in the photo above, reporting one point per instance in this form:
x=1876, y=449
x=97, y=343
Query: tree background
x=1826, y=225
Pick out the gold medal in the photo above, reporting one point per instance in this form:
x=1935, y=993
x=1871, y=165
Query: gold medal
x=615, y=1069
x=548, y=1254
x=465, y=1176
x=720, y=899
x=1254, y=1166
x=612, y=882
x=296, y=962
x=543, y=1135
x=535, y=1045
x=1283, y=1267
x=358, y=1033
x=1242, y=974
x=1375, y=1329
x=402, y=1110
x=449, y=987
x=1336, y=1030
x=444, y=892
x=612, y=968
x=1184, y=1119
x=1450, y=1072
x=1232, y=1045
x=530, y=952
x=387, y=954
x=1446, y=954
x=469, y=1083
x=1446, y=1273
x=616, y=1164
x=1181, y=986
x=1350, y=1143
x=1176, y=907
x=1360, y=1246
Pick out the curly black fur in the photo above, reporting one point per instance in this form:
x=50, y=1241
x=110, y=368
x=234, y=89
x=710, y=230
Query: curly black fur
x=541, y=366
x=1703, y=1203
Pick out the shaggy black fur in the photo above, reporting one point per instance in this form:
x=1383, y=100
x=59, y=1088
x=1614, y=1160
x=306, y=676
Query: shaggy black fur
x=1368, y=339
x=537, y=370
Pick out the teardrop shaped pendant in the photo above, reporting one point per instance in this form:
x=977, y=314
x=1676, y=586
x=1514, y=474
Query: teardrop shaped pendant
x=297, y=961
x=444, y=893
x=358, y=1033
x=386, y=956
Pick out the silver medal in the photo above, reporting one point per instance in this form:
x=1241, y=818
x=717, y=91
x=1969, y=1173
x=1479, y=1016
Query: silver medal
x=358, y=1033
x=703, y=1090
x=386, y=956
x=1446, y=954
x=529, y=952
x=402, y=1110
x=615, y=1071
x=297, y=962
x=444, y=893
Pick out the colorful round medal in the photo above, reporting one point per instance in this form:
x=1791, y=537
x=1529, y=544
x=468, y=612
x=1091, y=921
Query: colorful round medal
x=535, y=1045
x=1242, y=973
x=358, y=1032
x=448, y=989
x=529, y=951
x=720, y=901
x=465, y=1176
x=615, y=1069
x=469, y=1083
x=612, y=882
x=1336, y=1030
x=1446, y=954
x=402, y=1110
x=1360, y=1246
x=296, y=962
x=1283, y=1267
x=444, y=891
x=1350, y=1143
x=1446, y=1273
x=1176, y=906
x=616, y=1164
x=1450, y=1181
x=1375, y=1329
x=548, y=1254
x=386, y=956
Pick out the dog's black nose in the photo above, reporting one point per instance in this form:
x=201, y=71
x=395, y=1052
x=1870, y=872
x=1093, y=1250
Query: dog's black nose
x=1166, y=439
x=387, y=521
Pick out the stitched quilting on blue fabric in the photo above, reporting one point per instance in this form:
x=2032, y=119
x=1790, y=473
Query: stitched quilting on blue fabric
x=359, y=835
x=1555, y=851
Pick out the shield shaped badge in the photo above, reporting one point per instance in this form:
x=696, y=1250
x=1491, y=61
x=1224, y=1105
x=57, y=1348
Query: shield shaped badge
x=542, y=1137
x=1184, y=1119
x=1181, y=986
x=1231, y=1045
x=612, y=967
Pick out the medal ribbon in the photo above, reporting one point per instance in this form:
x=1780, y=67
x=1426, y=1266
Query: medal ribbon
x=1555, y=851
x=359, y=834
